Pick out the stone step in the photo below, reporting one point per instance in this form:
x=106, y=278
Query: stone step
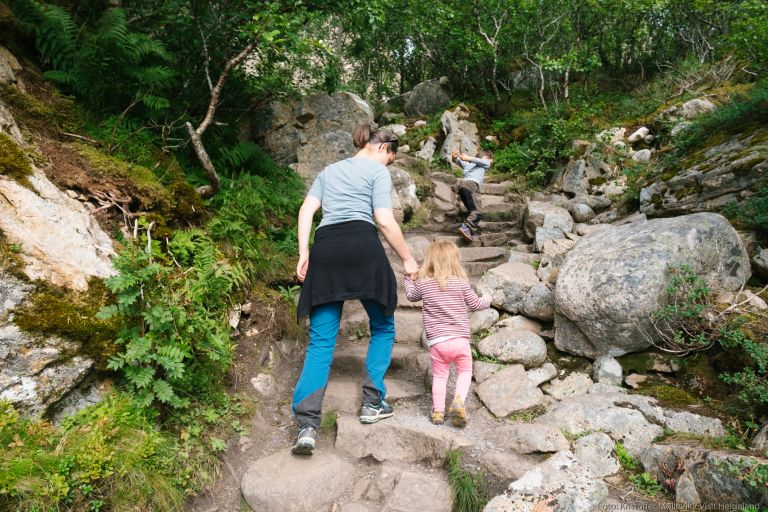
x=344, y=394
x=349, y=359
x=404, y=437
x=482, y=254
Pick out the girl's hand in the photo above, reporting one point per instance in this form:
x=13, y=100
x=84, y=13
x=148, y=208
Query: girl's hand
x=301, y=268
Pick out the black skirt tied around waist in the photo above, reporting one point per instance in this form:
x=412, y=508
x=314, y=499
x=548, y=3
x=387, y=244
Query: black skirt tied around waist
x=347, y=261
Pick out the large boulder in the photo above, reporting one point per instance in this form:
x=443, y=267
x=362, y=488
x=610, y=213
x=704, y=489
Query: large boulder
x=283, y=127
x=710, y=179
x=613, y=280
x=428, y=97
x=515, y=346
x=460, y=133
x=539, y=214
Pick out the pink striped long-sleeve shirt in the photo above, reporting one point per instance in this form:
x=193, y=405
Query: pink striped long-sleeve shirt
x=445, y=309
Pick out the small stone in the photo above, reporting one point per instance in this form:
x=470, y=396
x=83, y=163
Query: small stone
x=234, y=317
x=420, y=122
x=544, y=373
x=644, y=155
x=246, y=308
x=607, y=369
x=265, y=384
x=634, y=380
x=71, y=193
x=638, y=135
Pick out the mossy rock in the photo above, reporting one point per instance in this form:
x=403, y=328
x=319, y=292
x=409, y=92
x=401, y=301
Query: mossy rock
x=637, y=362
x=148, y=190
x=699, y=376
x=11, y=260
x=13, y=161
x=54, y=311
x=568, y=362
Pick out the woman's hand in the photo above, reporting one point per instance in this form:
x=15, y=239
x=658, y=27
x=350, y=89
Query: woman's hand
x=301, y=268
x=411, y=268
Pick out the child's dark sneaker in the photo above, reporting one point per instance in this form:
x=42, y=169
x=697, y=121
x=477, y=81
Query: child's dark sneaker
x=438, y=417
x=371, y=413
x=466, y=232
x=458, y=413
x=305, y=442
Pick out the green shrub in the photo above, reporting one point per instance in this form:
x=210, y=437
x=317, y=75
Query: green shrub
x=110, y=453
x=752, y=213
x=646, y=483
x=742, y=111
x=625, y=459
x=171, y=306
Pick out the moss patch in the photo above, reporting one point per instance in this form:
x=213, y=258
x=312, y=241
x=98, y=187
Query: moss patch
x=638, y=362
x=11, y=260
x=13, y=161
x=50, y=116
x=668, y=395
x=50, y=310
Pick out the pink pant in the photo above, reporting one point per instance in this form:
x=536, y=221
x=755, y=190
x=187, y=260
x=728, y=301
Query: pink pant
x=455, y=351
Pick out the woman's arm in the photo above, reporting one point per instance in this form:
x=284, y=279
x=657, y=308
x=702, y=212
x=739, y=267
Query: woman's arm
x=394, y=237
x=306, y=213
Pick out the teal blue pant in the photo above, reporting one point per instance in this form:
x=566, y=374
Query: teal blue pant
x=323, y=330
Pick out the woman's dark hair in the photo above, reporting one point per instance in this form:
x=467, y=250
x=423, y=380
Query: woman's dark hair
x=365, y=135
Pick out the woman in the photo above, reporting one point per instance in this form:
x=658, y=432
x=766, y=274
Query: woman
x=348, y=262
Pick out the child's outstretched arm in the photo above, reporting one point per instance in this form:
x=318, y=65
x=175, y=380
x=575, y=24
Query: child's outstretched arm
x=474, y=302
x=412, y=289
x=481, y=162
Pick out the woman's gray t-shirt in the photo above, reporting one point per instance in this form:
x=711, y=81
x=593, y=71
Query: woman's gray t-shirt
x=352, y=189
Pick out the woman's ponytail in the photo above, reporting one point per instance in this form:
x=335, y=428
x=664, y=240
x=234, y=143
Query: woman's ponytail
x=362, y=135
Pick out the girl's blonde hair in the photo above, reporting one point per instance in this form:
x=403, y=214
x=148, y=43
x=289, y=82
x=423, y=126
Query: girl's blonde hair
x=442, y=263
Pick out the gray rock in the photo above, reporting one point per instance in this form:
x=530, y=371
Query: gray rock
x=638, y=135
x=607, y=369
x=760, y=263
x=508, y=284
x=561, y=476
x=321, y=150
x=549, y=267
x=460, y=134
x=628, y=265
x=8, y=124
x=760, y=441
x=84, y=395
x=542, y=374
x=576, y=383
x=528, y=438
x=265, y=385
x=398, y=130
x=604, y=387
x=428, y=97
x=427, y=151
x=574, y=180
x=685, y=491
x=696, y=107
x=595, y=451
x=481, y=370
x=540, y=214
x=519, y=323
x=420, y=491
x=408, y=325
x=509, y=390
x=513, y=346
x=554, y=248
x=524, y=257
x=581, y=212
x=539, y=303
x=544, y=235
x=597, y=203
x=479, y=320
x=281, y=478
x=9, y=66
x=283, y=127
x=403, y=184
x=644, y=155
x=588, y=229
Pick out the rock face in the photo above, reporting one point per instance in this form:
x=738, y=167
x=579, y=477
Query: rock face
x=284, y=127
x=711, y=178
x=282, y=478
x=612, y=280
x=35, y=371
x=460, y=134
x=428, y=97
x=80, y=249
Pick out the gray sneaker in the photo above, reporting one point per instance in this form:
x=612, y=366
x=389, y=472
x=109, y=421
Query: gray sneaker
x=305, y=443
x=371, y=413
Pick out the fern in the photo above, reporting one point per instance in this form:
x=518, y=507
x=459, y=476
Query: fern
x=109, y=65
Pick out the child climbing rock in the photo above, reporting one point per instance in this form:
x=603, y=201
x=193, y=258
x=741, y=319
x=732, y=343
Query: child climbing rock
x=443, y=286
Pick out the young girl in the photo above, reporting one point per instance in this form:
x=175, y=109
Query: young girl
x=445, y=290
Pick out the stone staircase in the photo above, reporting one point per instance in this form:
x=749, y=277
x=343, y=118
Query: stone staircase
x=396, y=465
